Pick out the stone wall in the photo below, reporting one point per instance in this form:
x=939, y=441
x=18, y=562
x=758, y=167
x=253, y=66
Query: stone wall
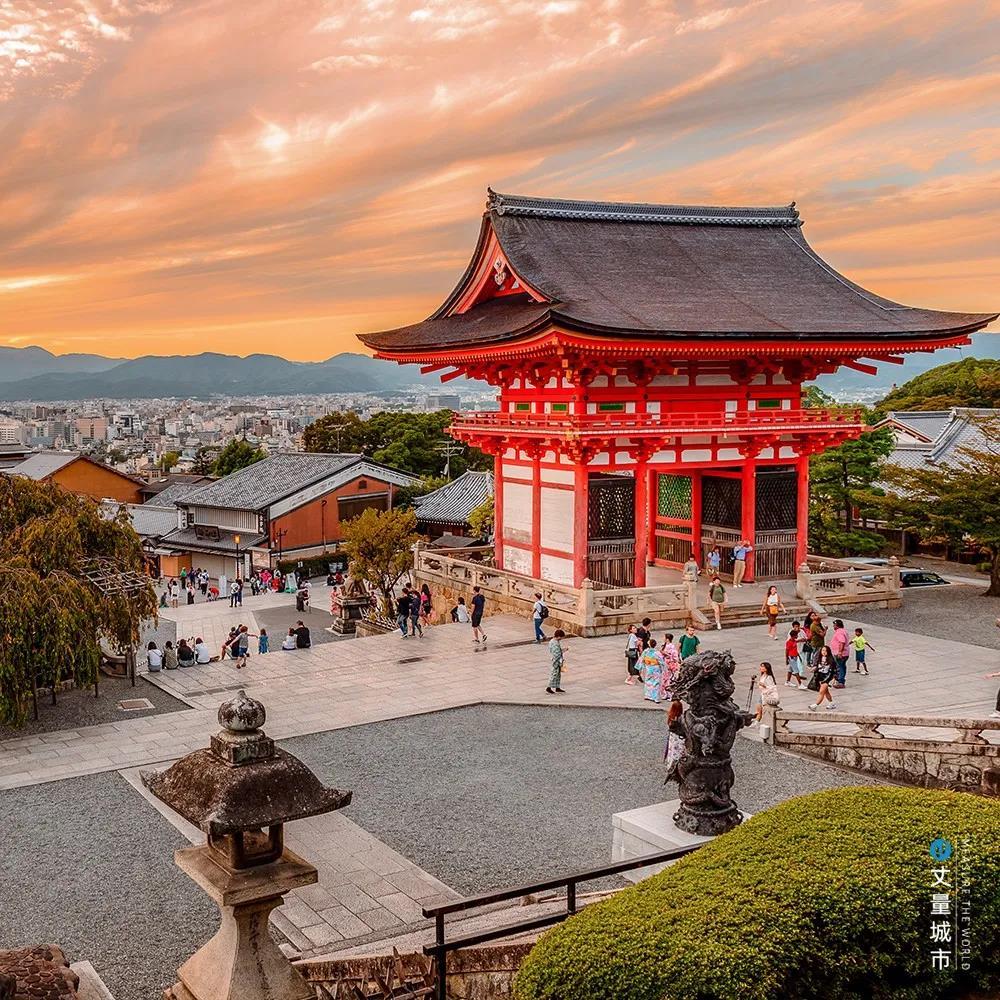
x=917, y=750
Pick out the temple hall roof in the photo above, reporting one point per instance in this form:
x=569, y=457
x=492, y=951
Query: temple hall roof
x=663, y=271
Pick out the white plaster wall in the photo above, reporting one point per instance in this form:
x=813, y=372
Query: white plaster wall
x=556, y=570
x=517, y=560
x=601, y=381
x=565, y=476
x=653, y=406
x=670, y=380
x=787, y=453
x=623, y=458
x=696, y=455
x=557, y=519
x=664, y=456
x=713, y=380
x=730, y=455
x=600, y=459
x=517, y=512
x=516, y=471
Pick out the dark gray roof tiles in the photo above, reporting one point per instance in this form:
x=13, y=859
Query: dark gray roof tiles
x=452, y=503
x=663, y=272
x=269, y=480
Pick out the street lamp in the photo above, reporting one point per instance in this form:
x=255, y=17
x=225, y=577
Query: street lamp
x=236, y=540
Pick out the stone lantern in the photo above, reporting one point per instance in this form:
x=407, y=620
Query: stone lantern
x=241, y=791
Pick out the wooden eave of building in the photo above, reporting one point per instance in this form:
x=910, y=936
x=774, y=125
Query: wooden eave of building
x=674, y=279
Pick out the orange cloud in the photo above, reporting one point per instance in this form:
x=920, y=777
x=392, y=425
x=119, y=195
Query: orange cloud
x=277, y=177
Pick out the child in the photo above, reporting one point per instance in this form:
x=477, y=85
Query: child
x=796, y=676
x=860, y=644
x=263, y=642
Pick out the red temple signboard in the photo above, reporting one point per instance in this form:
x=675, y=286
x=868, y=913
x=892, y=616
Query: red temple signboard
x=649, y=361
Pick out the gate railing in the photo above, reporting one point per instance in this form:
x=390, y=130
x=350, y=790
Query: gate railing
x=611, y=562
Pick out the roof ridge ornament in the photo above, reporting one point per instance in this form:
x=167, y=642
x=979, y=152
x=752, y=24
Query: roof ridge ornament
x=619, y=211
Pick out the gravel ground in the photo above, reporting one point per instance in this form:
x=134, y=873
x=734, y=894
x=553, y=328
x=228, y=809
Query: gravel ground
x=492, y=796
x=77, y=708
x=92, y=870
x=955, y=612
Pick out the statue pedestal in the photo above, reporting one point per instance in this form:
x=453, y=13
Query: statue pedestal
x=646, y=831
x=347, y=612
x=242, y=961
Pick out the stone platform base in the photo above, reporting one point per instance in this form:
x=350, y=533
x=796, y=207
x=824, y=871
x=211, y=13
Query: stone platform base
x=646, y=831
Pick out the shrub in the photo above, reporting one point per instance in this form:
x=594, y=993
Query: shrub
x=825, y=896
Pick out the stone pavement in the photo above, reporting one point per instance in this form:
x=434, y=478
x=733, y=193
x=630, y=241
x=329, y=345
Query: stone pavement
x=366, y=888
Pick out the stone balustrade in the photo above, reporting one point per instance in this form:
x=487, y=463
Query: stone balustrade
x=585, y=610
x=825, y=582
x=930, y=751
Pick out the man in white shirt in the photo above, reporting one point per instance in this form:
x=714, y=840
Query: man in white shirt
x=539, y=614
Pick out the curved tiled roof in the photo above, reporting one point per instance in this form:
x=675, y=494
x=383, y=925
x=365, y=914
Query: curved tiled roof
x=666, y=271
x=454, y=502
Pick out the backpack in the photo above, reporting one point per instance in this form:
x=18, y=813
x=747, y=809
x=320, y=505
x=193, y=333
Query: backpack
x=544, y=611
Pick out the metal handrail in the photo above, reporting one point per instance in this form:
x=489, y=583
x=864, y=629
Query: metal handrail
x=442, y=946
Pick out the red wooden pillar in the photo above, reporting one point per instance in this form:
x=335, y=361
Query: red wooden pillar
x=748, y=504
x=802, y=511
x=498, y=510
x=642, y=518
x=580, y=539
x=536, y=515
x=653, y=493
x=696, y=546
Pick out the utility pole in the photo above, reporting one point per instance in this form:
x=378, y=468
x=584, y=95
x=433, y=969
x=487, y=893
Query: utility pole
x=448, y=449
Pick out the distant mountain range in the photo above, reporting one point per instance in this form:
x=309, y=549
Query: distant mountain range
x=849, y=386
x=30, y=373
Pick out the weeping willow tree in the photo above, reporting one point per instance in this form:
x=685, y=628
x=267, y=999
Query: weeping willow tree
x=59, y=559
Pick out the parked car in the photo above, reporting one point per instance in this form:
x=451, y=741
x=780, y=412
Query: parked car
x=920, y=578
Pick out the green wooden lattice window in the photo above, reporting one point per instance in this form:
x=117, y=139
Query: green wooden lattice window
x=610, y=407
x=674, y=497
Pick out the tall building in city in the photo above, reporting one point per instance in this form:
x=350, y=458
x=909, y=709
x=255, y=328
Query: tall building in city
x=649, y=361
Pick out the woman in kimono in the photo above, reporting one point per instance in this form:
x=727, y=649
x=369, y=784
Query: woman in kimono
x=651, y=665
x=671, y=664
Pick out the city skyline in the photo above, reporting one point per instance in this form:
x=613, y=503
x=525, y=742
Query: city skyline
x=208, y=178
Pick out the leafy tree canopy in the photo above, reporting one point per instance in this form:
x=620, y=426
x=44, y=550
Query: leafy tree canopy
x=169, y=460
x=959, y=503
x=54, y=618
x=379, y=546
x=973, y=382
x=842, y=480
x=482, y=518
x=238, y=454
x=412, y=442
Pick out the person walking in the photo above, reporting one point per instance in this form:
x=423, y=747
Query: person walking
x=425, y=604
x=403, y=610
x=643, y=632
x=823, y=673
x=174, y=591
x=840, y=646
x=651, y=664
x=771, y=608
x=796, y=673
x=478, y=608
x=416, y=606
x=671, y=667
x=717, y=597
x=817, y=638
x=767, y=689
x=190, y=592
x=741, y=551
x=714, y=561
x=632, y=655
x=861, y=646
x=538, y=615
x=556, y=655
x=241, y=647
x=688, y=644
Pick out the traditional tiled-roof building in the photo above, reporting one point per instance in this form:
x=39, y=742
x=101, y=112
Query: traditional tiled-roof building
x=649, y=362
x=446, y=510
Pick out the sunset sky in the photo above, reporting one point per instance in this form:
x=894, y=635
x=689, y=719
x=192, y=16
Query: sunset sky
x=277, y=175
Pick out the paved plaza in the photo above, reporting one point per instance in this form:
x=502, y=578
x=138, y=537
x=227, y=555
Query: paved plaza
x=372, y=714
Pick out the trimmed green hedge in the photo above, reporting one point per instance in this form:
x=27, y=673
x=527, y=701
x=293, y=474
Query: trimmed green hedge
x=825, y=896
